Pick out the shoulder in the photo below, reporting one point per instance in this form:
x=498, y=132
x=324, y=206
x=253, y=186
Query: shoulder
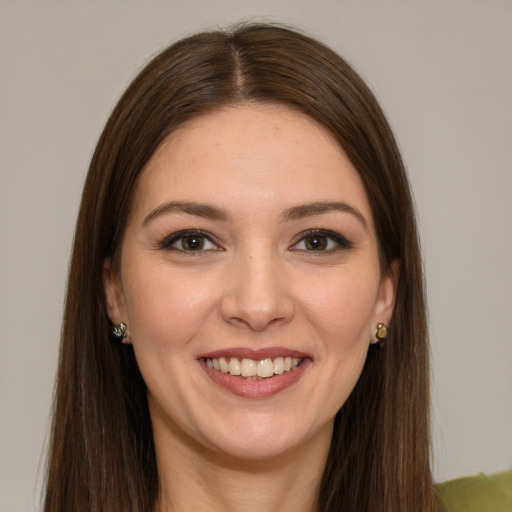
x=479, y=493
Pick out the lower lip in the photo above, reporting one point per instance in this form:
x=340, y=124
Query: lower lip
x=254, y=388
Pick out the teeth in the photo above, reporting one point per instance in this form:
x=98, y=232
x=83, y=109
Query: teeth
x=265, y=368
x=234, y=366
x=223, y=365
x=262, y=369
x=278, y=365
x=248, y=368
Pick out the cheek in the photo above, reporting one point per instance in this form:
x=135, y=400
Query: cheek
x=341, y=310
x=164, y=310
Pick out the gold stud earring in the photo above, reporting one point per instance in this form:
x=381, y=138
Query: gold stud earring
x=382, y=333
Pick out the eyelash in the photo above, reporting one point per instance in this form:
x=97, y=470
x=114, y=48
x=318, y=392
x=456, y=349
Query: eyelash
x=168, y=242
x=340, y=241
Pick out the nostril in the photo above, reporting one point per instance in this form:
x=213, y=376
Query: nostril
x=254, y=317
x=256, y=296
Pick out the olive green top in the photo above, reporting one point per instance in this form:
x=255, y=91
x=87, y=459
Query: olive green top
x=479, y=493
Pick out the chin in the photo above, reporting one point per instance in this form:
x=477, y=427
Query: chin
x=255, y=449
x=262, y=438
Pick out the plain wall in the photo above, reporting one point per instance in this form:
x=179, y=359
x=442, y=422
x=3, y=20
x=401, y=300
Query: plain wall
x=442, y=71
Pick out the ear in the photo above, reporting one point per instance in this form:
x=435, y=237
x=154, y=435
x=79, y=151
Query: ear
x=385, y=303
x=113, y=293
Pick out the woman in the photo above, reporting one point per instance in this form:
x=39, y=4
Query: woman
x=247, y=233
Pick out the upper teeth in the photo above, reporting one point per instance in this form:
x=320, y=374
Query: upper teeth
x=251, y=368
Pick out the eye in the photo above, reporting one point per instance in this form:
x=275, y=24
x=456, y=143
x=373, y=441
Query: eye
x=190, y=241
x=320, y=240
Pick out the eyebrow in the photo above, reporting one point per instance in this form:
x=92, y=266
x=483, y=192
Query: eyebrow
x=192, y=208
x=310, y=209
x=293, y=213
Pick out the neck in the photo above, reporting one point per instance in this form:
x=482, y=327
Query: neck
x=193, y=478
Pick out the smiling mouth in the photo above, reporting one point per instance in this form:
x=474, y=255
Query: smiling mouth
x=252, y=369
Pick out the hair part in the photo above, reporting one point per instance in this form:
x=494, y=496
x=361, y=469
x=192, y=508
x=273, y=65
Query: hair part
x=102, y=455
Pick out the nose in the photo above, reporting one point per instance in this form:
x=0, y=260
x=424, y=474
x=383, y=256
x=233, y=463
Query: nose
x=257, y=294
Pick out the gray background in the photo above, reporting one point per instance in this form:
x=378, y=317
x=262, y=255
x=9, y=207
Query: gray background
x=442, y=70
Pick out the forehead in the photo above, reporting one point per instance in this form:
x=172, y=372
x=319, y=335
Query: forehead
x=251, y=155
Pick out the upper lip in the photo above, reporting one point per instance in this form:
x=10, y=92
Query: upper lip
x=254, y=354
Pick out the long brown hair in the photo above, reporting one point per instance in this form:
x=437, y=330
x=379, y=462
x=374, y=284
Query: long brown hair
x=102, y=456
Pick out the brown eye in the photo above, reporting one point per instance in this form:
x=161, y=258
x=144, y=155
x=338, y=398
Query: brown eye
x=189, y=241
x=315, y=242
x=192, y=243
x=321, y=241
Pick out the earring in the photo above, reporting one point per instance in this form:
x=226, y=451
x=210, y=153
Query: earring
x=119, y=332
x=381, y=334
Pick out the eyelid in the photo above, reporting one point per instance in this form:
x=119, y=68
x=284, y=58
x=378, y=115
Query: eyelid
x=339, y=239
x=169, y=240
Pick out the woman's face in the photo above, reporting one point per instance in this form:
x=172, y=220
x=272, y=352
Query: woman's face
x=249, y=281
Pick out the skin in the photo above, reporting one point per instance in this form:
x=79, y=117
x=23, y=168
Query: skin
x=256, y=283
